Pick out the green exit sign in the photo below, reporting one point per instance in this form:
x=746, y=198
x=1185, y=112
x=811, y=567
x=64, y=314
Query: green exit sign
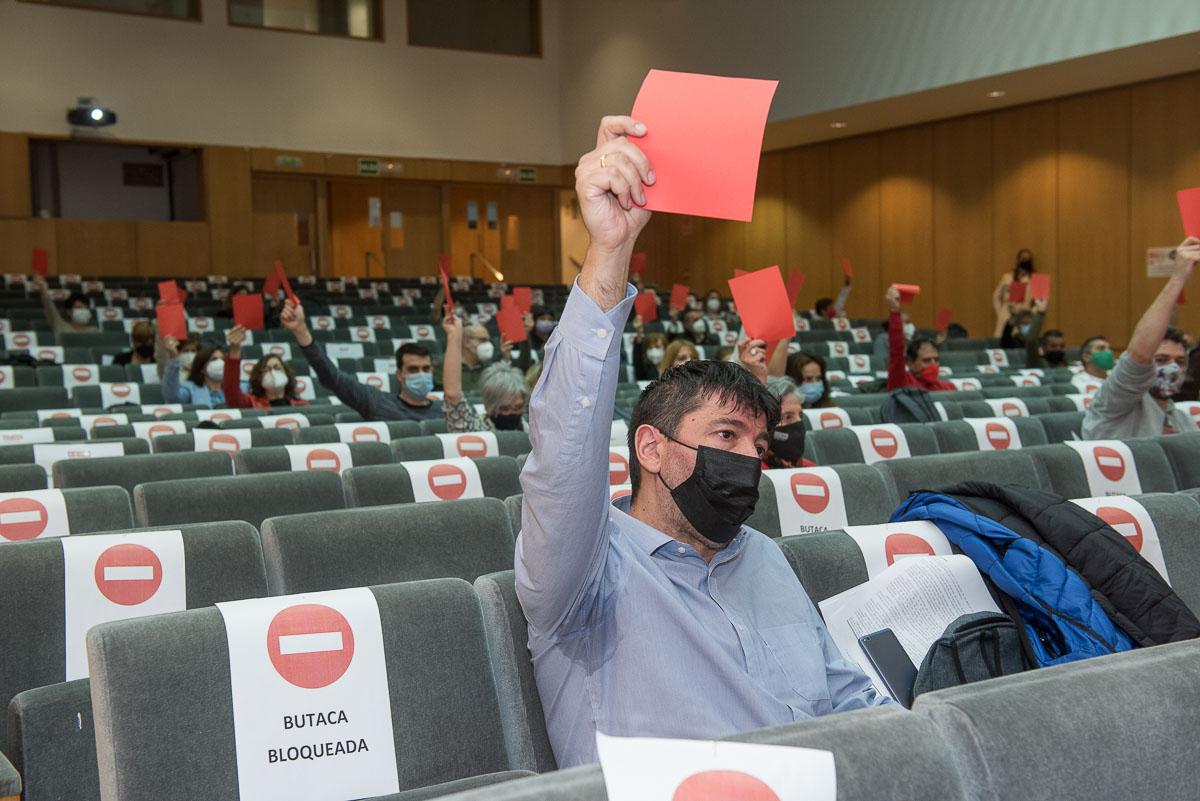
x=368, y=166
x=527, y=175
x=289, y=161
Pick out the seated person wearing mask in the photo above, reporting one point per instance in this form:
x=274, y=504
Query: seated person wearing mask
x=204, y=370
x=272, y=382
x=502, y=387
x=660, y=615
x=647, y=352
x=680, y=351
x=828, y=308
x=915, y=365
x=787, y=440
x=141, y=337
x=477, y=353
x=1097, y=357
x=78, y=319
x=808, y=371
x=1135, y=399
x=414, y=371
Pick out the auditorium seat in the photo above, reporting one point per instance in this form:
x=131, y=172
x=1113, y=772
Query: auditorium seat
x=90, y=397
x=24, y=454
x=10, y=780
x=259, y=437
x=252, y=498
x=842, y=446
x=957, y=436
x=414, y=449
x=1061, y=468
x=266, y=421
x=329, y=433
x=512, y=505
x=129, y=471
x=1062, y=426
x=905, y=476
x=1120, y=726
x=17, y=477
x=383, y=485
x=825, y=562
x=442, y=698
x=1174, y=516
x=865, y=497
x=50, y=735
x=278, y=460
x=386, y=544
x=1183, y=451
x=22, y=377
x=32, y=398
x=433, y=426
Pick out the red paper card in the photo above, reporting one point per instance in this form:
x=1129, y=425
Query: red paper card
x=646, y=306
x=248, y=311
x=846, y=268
x=523, y=297
x=168, y=292
x=637, y=264
x=679, y=295
x=762, y=303
x=908, y=292
x=795, y=283
x=445, y=266
x=1016, y=292
x=509, y=302
x=1039, y=286
x=512, y=327
x=171, y=322
x=284, y=282
x=41, y=262
x=1189, y=210
x=944, y=316
x=703, y=138
x=738, y=273
x=271, y=284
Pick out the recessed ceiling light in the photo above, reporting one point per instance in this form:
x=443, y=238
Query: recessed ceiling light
x=996, y=93
x=837, y=125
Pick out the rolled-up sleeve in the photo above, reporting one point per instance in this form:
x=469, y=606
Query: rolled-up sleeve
x=562, y=545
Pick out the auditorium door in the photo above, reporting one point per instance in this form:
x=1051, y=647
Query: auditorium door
x=356, y=228
x=475, y=243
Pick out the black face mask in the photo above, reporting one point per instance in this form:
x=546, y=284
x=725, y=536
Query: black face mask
x=719, y=494
x=145, y=351
x=787, y=442
x=506, y=422
x=1055, y=358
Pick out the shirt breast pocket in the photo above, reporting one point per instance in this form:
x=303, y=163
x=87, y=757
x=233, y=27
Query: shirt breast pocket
x=794, y=656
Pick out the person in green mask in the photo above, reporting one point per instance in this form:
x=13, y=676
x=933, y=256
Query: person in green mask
x=1097, y=356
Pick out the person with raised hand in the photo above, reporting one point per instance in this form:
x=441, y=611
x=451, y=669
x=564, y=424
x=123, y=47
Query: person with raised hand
x=272, y=382
x=918, y=362
x=502, y=387
x=662, y=612
x=204, y=369
x=1135, y=399
x=414, y=372
x=77, y=318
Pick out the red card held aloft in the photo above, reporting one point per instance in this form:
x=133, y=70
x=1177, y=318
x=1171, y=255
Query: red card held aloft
x=1039, y=286
x=944, y=316
x=762, y=303
x=171, y=322
x=846, y=267
x=271, y=284
x=523, y=297
x=646, y=305
x=168, y=292
x=679, y=295
x=637, y=263
x=1016, y=292
x=512, y=327
x=737, y=273
x=1189, y=210
x=445, y=266
x=908, y=292
x=795, y=283
x=284, y=282
x=248, y=311
x=703, y=138
x=41, y=262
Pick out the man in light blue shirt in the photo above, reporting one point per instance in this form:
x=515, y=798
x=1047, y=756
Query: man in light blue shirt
x=663, y=615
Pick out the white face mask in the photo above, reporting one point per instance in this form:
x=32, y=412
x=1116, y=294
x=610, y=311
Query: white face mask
x=713, y=304
x=909, y=330
x=215, y=369
x=81, y=315
x=186, y=358
x=485, y=351
x=699, y=327
x=654, y=355
x=274, y=379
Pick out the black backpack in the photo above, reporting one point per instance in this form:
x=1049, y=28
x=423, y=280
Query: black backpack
x=909, y=405
x=975, y=647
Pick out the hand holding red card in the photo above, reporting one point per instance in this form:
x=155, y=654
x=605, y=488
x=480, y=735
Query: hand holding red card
x=703, y=139
x=41, y=262
x=271, y=284
x=1039, y=286
x=944, y=316
x=646, y=305
x=285, y=283
x=846, y=267
x=762, y=303
x=248, y=311
x=168, y=292
x=444, y=272
x=1189, y=210
x=445, y=266
x=171, y=321
x=908, y=292
x=679, y=295
x=1016, y=292
x=523, y=297
x=512, y=327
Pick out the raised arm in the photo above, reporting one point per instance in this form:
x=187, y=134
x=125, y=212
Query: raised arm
x=843, y=296
x=452, y=391
x=346, y=387
x=1150, y=329
x=57, y=323
x=563, y=542
x=895, y=334
x=231, y=381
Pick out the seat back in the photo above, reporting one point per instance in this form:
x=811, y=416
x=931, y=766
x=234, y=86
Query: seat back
x=1063, y=469
x=868, y=444
x=962, y=436
x=129, y=471
x=381, y=485
x=386, y=544
x=905, y=476
x=315, y=456
x=803, y=500
x=31, y=398
x=827, y=562
x=1062, y=426
x=18, y=477
x=252, y=498
x=370, y=432
x=414, y=449
x=1183, y=452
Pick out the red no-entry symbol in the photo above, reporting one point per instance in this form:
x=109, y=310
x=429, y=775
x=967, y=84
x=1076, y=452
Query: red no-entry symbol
x=998, y=436
x=128, y=574
x=831, y=420
x=471, y=445
x=723, y=785
x=618, y=469
x=224, y=443
x=1110, y=462
x=323, y=459
x=447, y=481
x=22, y=519
x=810, y=492
x=365, y=434
x=898, y=546
x=310, y=645
x=884, y=442
x=1125, y=524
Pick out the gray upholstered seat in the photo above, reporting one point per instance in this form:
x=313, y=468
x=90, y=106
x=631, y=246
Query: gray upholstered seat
x=826, y=562
x=329, y=433
x=433, y=426
x=23, y=454
x=382, y=485
x=865, y=495
x=129, y=471
x=841, y=446
x=17, y=477
x=1183, y=451
x=259, y=438
x=24, y=398
x=433, y=639
x=10, y=780
x=1176, y=518
x=61, y=433
x=412, y=449
x=1060, y=468
x=314, y=419
x=90, y=397
x=512, y=505
x=277, y=460
x=1115, y=727
x=905, y=476
x=958, y=436
x=51, y=734
x=252, y=498
x=1061, y=426
x=385, y=544
x=92, y=509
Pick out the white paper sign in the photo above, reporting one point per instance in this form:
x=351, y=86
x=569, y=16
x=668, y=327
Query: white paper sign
x=424, y=332
x=331, y=456
x=162, y=409
x=89, y=422
x=444, y=479
x=622, y=491
x=115, y=577
x=223, y=440
x=343, y=350
x=322, y=322
x=1082, y=402
x=997, y=357
x=653, y=769
x=822, y=419
x=377, y=381
x=281, y=349
x=26, y=436
x=1192, y=410
x=1087, y=384
x=32, y=515
x=619, y=433
x=363, y=432
x=305, y=388
x=995, y=433
x=156, y=428
x=882, y=442
x=80, y=375
x=1008, y=407
x=884, y=545
x=288, y=421
x=1026, y=380
x=341, y=312
x=965, y=384
x=1159, y=263
x=46, y=455
x=310, y=689
x=8, y=377
x=217, y=415
x=49, y=353
x=838, y=348
x=21, y=340
x=1109, y=467
x=57, y=414
x=362, y=333
x=809, y=499
x=116, y=394
x=474, y=444
x=1131, y=520
x=841, y=324
x=861, y=335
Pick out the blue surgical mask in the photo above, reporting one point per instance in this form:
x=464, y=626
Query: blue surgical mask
x=418, y=385
x=811, y=393
x=543, y=327
x=1024, y=330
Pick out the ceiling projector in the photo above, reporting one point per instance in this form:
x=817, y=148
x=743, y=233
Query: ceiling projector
x=89, y=114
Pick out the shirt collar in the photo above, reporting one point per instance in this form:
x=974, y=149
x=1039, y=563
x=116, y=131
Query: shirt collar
x=649, y=539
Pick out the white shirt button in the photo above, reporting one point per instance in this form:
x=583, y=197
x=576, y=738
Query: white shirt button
x=601, y=332
x=584, y=402
x=681, y=550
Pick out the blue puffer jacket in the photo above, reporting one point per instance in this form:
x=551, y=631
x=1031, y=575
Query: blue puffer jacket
x=1063, y=623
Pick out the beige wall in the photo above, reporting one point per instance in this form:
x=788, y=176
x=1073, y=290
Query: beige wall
x=211, y=83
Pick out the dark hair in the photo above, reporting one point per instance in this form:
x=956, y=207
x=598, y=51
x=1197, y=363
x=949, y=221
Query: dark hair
x=684, y=389
x=1173, y=334
x=1053, y=332
x=74, y=298
x=1027, y=266
x=260, y=367
x=914, y=348
x=795, y=370
x=410, y=349
x=822, y=305
x=1088, y=342
x=956, y=331
x=203, y=356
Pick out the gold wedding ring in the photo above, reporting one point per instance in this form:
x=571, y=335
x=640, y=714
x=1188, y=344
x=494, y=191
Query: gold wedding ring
x=603, y=166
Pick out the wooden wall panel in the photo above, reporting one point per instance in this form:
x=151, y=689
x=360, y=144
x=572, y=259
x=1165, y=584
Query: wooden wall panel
x=1025, y=193
x=179, y=249
x=15, y=193
x=228, y=199
x=1093, y=218
x=97, y=247
x=18, y=238
x=535, y=259
x=421, y=205
x=1165, y=157
x=662, y=268
x=906, y=216
x=268, y=160
x=808, y=222
x=285, y=223
x=766, y=235
x=962, y=221
x=854, y=182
